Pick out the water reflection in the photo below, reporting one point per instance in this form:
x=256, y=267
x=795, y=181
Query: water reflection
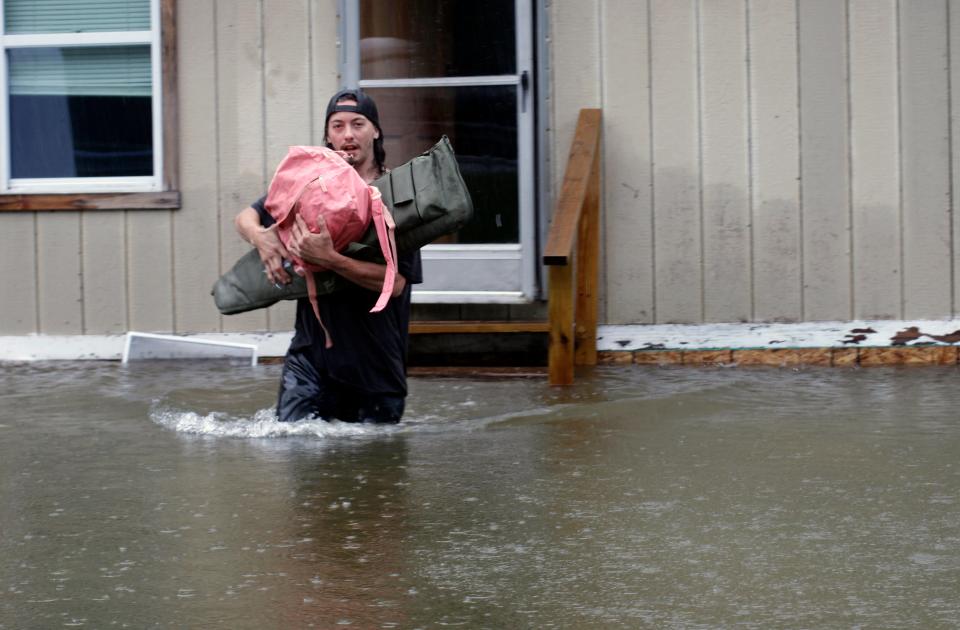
x=170, y=496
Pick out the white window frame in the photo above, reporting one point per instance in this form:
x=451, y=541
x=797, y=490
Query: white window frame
x=65, y=185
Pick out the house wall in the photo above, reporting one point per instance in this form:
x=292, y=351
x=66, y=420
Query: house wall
x=254, y=77
x=768, y=160
x=763, y=160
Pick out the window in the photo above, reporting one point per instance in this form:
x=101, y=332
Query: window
x=86, y=104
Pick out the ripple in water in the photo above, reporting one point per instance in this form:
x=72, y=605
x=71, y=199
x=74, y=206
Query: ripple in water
x=263, y=424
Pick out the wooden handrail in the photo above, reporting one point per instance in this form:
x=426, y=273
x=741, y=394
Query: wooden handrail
x=583, y=152
x=576, y=221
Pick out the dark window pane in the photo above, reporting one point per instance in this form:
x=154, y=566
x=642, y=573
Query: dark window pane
x=482, y=125
x=80, y=112
x=436, y=38
x=80, y=136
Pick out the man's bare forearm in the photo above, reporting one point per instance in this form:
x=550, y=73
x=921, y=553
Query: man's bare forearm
x=248, y=225
x=366, y=274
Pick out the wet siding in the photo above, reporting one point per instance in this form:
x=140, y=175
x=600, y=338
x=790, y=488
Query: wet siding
x=775, y=160
x=925, y=158
x=253, y=78
x=874, y=154
x=824, y=163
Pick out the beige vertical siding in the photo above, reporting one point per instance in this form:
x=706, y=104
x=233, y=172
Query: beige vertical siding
x=953, y=24
x=196, y=226
x=925, y=158
x=801, y=154
x=676, y=172
x=725, y=163
x=874, y=159
x=772, y=33
x=576, y=78
x=104, y=281
x=241, y=161
x=58, y=273
x=763, y=160
x=18, y=274
x=628, y=221
x=149, y=271
x=824, y=162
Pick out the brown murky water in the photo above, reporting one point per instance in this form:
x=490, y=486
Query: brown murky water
x=165, y=495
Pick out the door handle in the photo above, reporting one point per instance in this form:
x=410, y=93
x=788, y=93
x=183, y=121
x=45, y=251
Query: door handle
x=524, y=89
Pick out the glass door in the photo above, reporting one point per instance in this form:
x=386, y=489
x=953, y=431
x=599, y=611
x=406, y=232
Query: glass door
x=462, y=69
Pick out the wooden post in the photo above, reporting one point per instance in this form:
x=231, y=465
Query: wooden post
x=587, y=261
x=560, y=308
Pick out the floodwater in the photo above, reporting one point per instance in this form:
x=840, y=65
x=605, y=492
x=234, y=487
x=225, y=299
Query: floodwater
x=165, y=495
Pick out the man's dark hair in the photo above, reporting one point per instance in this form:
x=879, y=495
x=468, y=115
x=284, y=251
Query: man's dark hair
x=366, y=107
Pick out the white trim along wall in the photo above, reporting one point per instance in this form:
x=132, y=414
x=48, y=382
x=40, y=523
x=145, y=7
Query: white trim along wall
x=664, y=337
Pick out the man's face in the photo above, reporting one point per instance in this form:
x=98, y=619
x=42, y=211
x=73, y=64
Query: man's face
x=353, y=134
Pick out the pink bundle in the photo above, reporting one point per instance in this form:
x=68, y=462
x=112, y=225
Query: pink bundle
x=314, y=182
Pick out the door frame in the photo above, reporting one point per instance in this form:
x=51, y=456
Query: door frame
x=511, y=270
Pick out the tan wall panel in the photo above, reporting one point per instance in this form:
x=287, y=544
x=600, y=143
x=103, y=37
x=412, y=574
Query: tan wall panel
x=240, y=141
x=925, y=159
x=59, y=273
x=775, y=160
x=824, y=142
x=745, y=131
x=150, y=270
x=954, y=63
x=195, y=224
x=324, y=61
x=288, y=114
x=287, y=100
x=676, y=172
x=18, y=273
x=874, y=159
x=104, y=279
x=725, y=160
x=575, y=84
x=628, y=206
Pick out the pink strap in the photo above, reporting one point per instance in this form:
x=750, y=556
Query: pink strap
x=385, y=226
x=383, y=221
x=312, y=294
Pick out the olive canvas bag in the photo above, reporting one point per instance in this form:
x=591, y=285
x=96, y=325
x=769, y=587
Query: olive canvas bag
x=427, y=199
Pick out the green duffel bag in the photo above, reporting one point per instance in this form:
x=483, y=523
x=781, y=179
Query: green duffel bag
x=427, y=198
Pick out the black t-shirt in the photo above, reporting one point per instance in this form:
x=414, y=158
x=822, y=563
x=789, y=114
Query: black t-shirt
x=369, y=350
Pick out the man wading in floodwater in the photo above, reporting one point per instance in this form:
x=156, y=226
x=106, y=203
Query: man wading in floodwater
x=362, y=378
